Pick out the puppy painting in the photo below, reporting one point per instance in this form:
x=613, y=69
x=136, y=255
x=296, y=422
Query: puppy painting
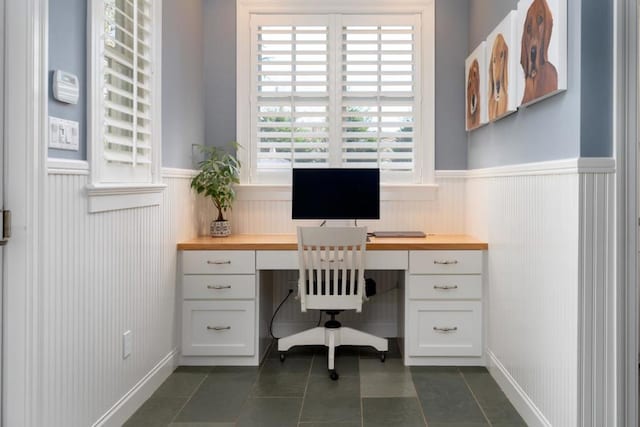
x=498, y=78
x=501, y=94
x=473, y=95
x=542, y=48
x=476, y=111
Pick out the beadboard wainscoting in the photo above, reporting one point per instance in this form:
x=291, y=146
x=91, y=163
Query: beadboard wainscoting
x=548, y=277
x=107, y=273
x=444, y=214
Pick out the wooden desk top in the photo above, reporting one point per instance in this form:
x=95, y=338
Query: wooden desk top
x=288, y=242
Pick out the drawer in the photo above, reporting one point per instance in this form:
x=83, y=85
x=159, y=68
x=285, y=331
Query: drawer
x=219, y=262
x=219, y=286
x=445, y=287
x=445, y=328
x=445, y=262
x=218, y=328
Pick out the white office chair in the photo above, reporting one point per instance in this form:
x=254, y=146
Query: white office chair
x=331, y=262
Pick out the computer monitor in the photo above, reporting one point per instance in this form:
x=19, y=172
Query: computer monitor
x=335, y=194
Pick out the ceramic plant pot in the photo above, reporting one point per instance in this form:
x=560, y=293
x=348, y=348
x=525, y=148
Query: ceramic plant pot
x=220, y=229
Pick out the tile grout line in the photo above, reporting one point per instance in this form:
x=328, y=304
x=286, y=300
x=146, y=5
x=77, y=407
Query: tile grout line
x=195, y=390
x=474, y=397
x=306, y=387
x=424, y=416
x=360, y=392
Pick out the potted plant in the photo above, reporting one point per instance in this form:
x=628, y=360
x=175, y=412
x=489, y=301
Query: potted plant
x=218, y=172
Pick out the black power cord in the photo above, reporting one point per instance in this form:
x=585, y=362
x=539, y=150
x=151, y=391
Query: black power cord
x=276, y=312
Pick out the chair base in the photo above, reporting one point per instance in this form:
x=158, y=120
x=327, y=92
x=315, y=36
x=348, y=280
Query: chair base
x=332, y=338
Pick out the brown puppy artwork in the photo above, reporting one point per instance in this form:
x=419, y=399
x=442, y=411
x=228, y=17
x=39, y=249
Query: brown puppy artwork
x=498, y=78
x=502, y=68
x=539, y=38
x=476, y=112
x=473, y=95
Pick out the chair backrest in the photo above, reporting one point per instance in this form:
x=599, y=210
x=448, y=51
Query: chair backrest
x=331, y=261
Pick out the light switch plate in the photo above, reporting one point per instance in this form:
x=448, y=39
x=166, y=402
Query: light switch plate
x=64, y=134
x=127, y=344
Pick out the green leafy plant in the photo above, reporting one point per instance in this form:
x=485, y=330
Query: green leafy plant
x=218, y=172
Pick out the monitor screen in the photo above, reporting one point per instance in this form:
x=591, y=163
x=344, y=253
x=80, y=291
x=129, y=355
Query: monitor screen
x=336, y=194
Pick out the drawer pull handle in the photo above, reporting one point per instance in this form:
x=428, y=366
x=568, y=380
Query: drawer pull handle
x=218, y=287
x=219, y=262
x=445, y=329
x=445, y=287
x=446, y=262
x=218, y=328
x=331, y=260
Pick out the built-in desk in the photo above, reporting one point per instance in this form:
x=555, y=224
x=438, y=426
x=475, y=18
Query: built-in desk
x=228, y=302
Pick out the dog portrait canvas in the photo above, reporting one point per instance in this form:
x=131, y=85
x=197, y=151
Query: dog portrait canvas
x=475, y=82
x=502, y=61
x=542, y=26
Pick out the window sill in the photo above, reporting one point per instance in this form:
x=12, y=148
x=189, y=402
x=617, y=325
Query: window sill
x=396, y=192
x=111, y=197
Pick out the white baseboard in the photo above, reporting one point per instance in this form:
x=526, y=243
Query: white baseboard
x=130, y=402
x=516, y=395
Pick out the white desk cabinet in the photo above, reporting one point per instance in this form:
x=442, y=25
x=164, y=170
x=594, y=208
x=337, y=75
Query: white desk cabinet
x=219, y=306
x=443, y=305
x=228, y=297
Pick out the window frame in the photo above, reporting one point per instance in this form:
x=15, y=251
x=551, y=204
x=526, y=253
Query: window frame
x=106, y=193
x=424, y=150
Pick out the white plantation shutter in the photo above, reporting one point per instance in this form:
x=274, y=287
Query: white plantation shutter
x=335, y=91
x=127, y=90
x=380, y=70
x=291, y=104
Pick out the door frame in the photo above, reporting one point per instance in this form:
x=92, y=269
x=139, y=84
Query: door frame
x=25, y=171
x=623, y=410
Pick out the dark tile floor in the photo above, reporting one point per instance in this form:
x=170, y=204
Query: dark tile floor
x=299, y=393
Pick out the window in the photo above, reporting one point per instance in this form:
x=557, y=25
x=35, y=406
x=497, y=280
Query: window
x=125, y=93
x=335, y=90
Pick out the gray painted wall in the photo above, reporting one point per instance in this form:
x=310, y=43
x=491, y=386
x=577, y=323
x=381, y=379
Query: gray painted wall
x=220, y=71
x=575, y=123
x=452, y=34
x=182, y=81
x=183, y=99
x=451, y=51
x=68, y=52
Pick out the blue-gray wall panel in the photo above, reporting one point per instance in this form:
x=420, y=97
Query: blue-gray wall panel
x=220, y=71
x=452, y=35
x=547, y=130
x=182, y=81
x=597, y=79
x=68, y=52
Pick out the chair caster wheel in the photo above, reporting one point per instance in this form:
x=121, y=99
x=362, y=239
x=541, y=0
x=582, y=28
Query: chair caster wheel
x=282, y=356
x=383, y=356
x=333, y=374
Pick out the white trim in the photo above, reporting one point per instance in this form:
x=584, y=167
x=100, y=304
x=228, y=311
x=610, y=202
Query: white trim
x=117, y=173
x=103, y=198
x=25, y=169
x=264, y=192
x=552, y=167
x=529, y=412
x=134, y=398
x=67, y=167
x=448, y=174
x=178, y=173
x=424, y=149
x=622, y=392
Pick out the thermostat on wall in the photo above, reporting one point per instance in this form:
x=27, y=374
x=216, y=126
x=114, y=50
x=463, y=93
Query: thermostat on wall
x=66, y=87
